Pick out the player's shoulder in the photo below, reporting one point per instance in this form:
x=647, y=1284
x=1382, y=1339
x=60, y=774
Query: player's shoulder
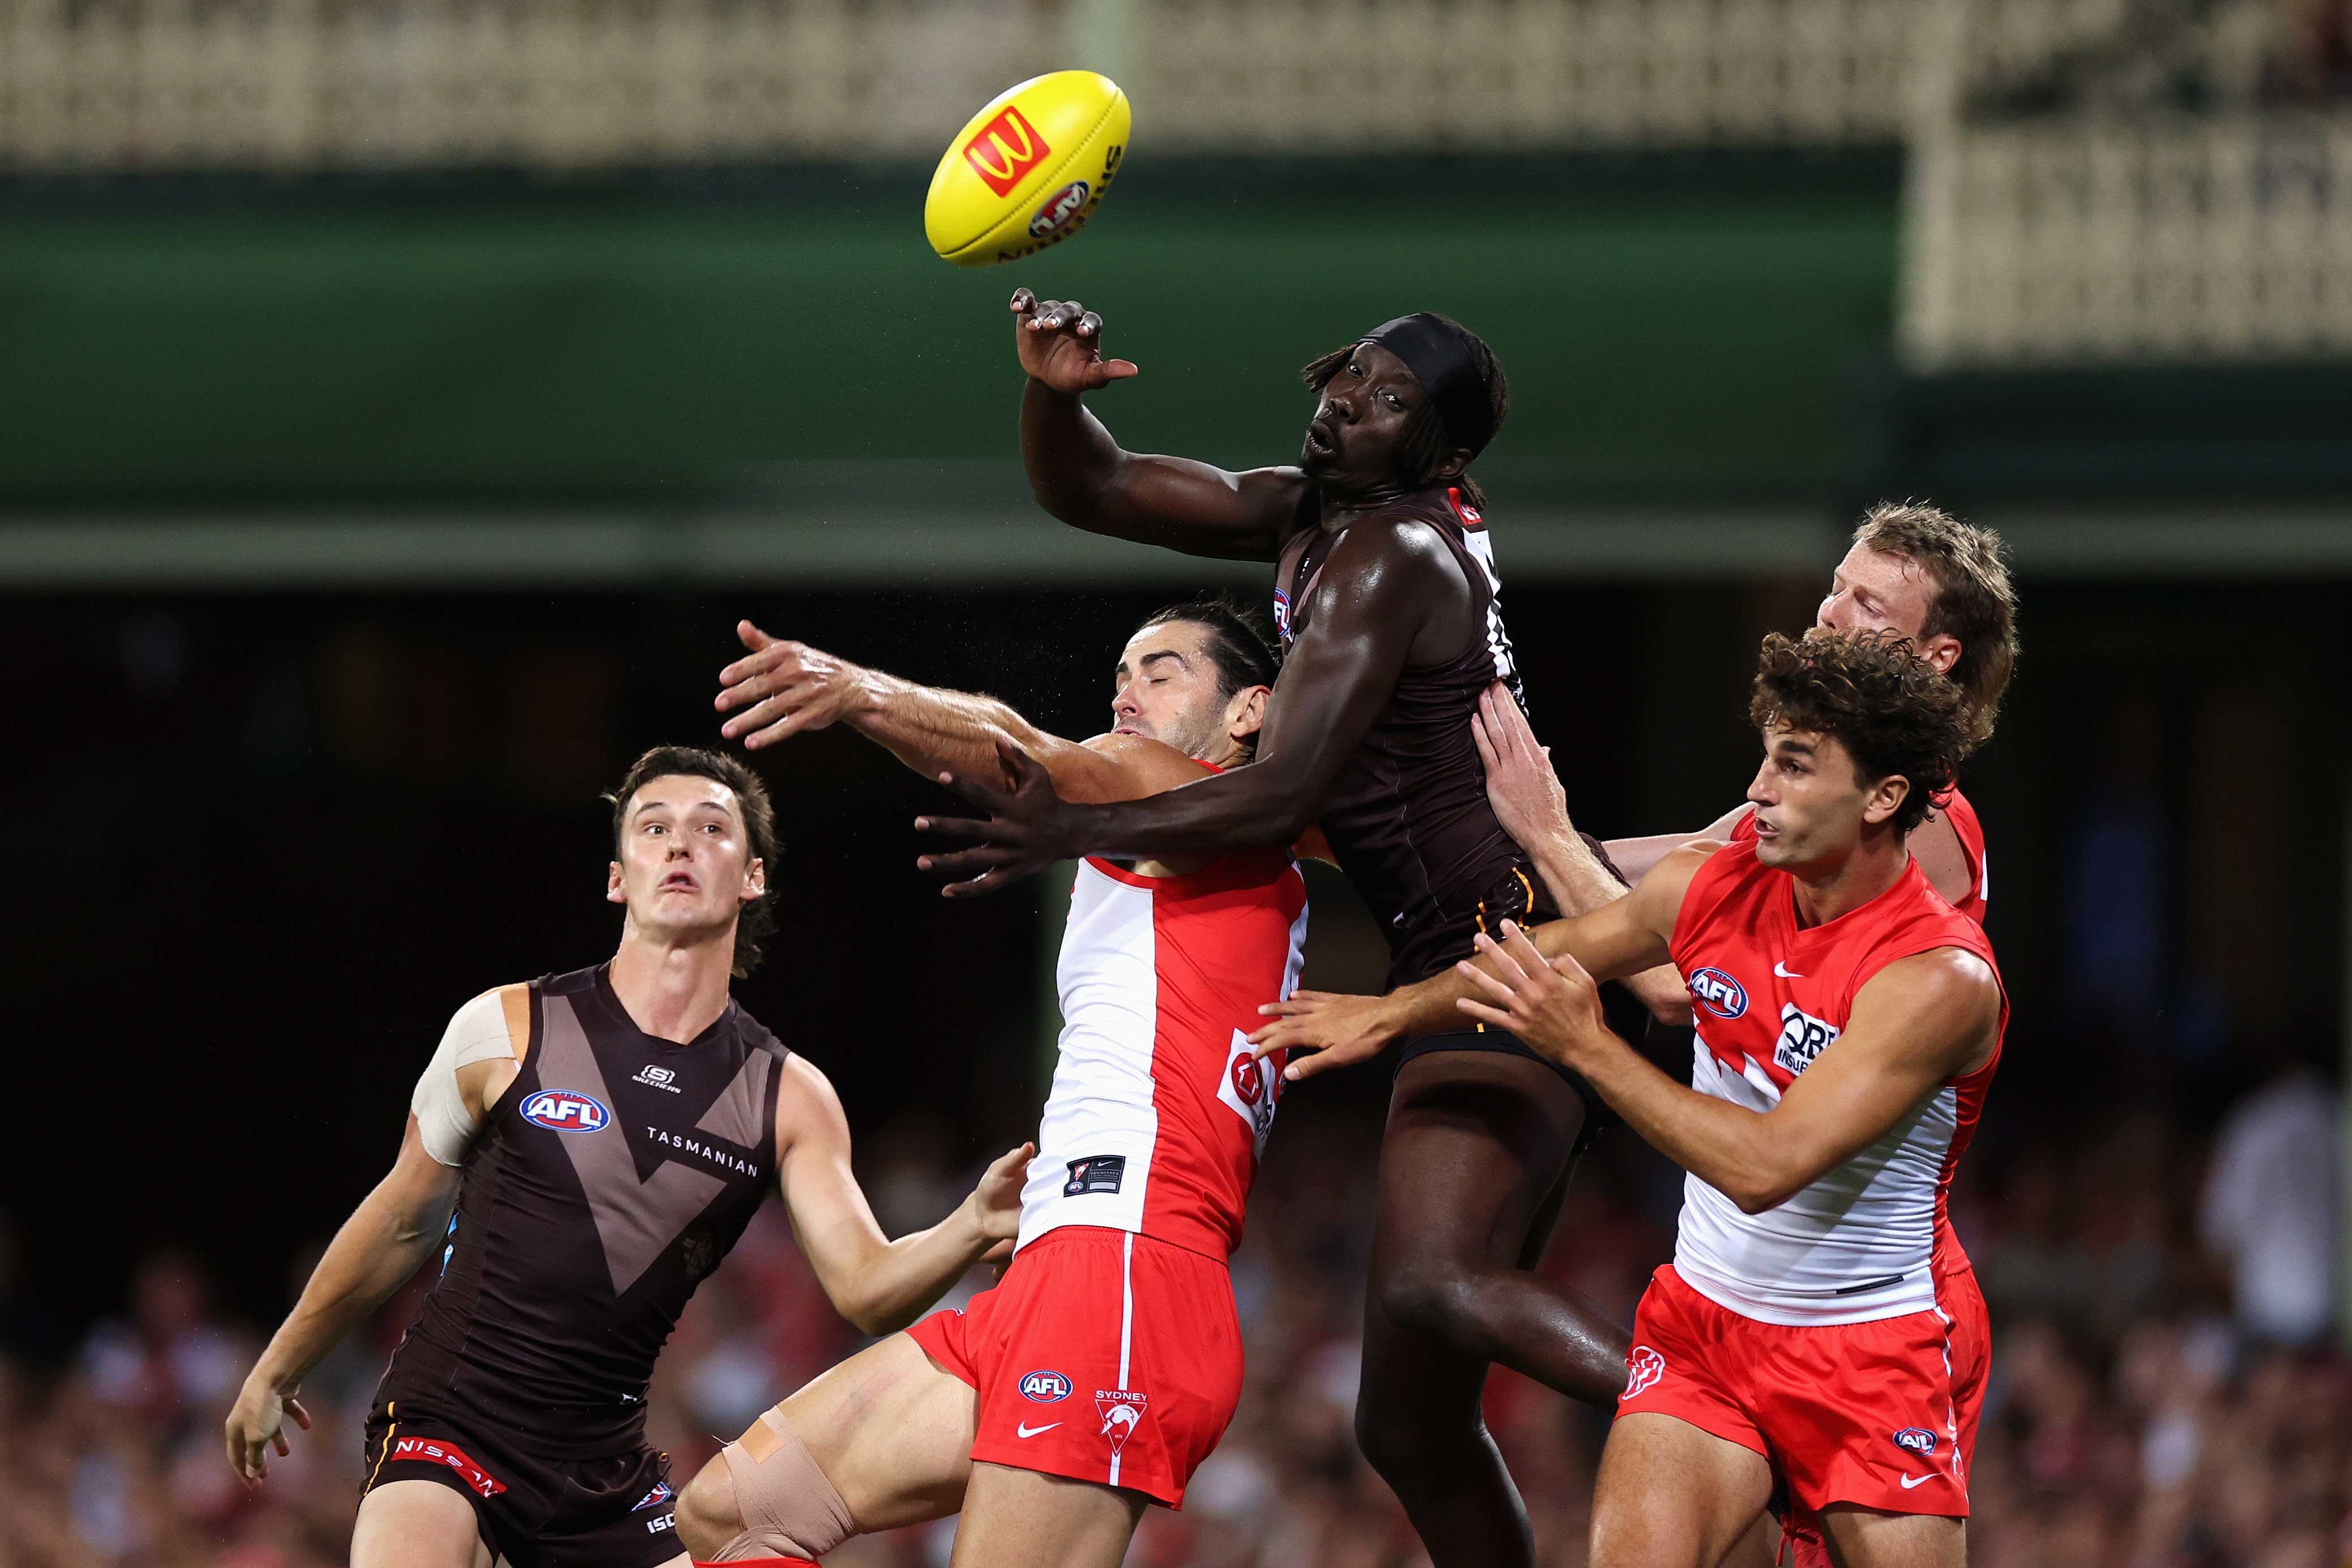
x=1144, y=765
x=500, y=1009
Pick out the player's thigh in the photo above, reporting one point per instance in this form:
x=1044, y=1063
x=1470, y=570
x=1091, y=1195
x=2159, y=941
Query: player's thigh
x=889, y=1430
x=417, y=1524
x=1476, y=1144
x=1672, y=1496
x=1027, y=1519
x=1865, y=1538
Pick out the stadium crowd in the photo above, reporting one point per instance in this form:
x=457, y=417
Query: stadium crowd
x=2165, y=1394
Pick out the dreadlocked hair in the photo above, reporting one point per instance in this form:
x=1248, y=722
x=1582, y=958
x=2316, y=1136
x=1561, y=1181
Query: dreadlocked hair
x=1426, y=445
x=1893, y=711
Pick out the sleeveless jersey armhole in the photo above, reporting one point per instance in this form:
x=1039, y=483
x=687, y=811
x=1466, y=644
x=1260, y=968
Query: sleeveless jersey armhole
x=493, y=1025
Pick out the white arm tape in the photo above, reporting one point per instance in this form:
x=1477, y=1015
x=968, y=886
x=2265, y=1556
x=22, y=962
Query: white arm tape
x=478, y=1032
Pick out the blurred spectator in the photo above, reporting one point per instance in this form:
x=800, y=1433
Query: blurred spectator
x=2271, y=1205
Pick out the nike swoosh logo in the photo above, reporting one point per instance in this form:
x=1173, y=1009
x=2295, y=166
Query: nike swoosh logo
x=1026, y=1430
x=1910, y=1481
x=1782, y=971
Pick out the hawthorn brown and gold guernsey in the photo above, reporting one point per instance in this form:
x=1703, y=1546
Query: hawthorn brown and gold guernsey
x=610, y=1179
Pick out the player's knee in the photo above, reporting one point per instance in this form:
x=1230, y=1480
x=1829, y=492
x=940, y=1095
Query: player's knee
x=707, y=1517
x=1427, y=1295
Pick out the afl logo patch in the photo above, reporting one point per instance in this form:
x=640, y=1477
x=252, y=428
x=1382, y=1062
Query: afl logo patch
x=1719, y=993
x=561, y=1110
x=1915, y=1439
x=1045, y=1387
x=1060, y=207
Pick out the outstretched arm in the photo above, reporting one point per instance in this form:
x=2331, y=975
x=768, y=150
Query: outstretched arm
x=1916, y=1023
x=1634, y=857
x=1533, y=808
x=1375, y=600
x=879, y=1284
x=784, y=688
x=1624, y=936
x=387, y=1238
x=1081, y=476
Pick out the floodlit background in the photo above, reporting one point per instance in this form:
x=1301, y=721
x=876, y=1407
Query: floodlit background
x=400, y=400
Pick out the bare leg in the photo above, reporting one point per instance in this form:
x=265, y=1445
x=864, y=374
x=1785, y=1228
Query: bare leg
x=417, y=1524
x=1671, y=1496
x=1024, y=1519
x=1472, y=1165
x=891, y=1431
x=1865, y=1538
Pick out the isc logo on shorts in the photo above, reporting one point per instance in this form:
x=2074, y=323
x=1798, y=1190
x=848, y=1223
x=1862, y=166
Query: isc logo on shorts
x=564, y=1112
x=1045, y=1387
x=1719, y=993
x=1643, y=1366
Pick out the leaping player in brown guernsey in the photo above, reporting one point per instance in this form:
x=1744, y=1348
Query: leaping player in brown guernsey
x=1386, y=603
x=1104, y=1368
x=601, y=1137
x=1821, y=1327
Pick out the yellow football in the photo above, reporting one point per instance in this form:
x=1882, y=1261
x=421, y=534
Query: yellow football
x=1028, y=170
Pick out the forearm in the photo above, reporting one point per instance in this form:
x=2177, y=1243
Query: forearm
x=1738, y=1152
x=1070, y=456
x=377, y=1251
x=900, y=1280
x=933, y=730
x=1578, y=881
x=1264, y=803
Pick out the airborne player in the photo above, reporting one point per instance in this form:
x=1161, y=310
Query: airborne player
x=602, y=1138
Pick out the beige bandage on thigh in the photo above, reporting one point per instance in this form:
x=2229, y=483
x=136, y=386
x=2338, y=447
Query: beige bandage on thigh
x=789, y=1508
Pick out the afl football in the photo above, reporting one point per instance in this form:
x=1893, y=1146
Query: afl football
x=1028, y=170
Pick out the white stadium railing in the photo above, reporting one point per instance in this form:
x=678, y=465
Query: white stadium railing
x=328, y=84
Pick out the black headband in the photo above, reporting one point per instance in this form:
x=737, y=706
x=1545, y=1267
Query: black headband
x=1438, y=354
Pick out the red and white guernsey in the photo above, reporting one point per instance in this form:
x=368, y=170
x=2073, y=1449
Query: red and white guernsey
x=1158, y=1113
x=1965, y=827
x=1869, y=1239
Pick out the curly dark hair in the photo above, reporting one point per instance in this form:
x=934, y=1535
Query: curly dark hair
x=1894, y=713
x=1426, y=445
x=757, y=921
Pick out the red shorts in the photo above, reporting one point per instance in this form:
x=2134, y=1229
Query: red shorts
x=1881, y=1413
x=1102, y=1356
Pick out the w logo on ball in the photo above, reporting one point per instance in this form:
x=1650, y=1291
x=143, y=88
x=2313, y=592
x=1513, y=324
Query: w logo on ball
x=1642, y=1368
x=1004, y=151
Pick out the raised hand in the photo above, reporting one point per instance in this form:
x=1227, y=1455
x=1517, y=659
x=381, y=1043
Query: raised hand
x=1520, y=784
x=789, y=686
x=1060, y=344
x=1551, y=1003
x=1336, y=1030
x=1028, y=828
x=996, y=1201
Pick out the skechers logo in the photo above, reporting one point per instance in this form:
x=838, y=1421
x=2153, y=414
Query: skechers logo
x=1004, y=151
x=657, y=1078
x=1719, y=993
x=562, y=1110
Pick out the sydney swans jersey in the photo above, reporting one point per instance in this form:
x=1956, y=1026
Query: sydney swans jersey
x=607, y=1183
x=1408, y=818
x=1158, y=1113
x=1870, y=1238
x=1955, y=810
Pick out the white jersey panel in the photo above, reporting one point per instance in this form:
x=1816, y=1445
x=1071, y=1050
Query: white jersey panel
x=1096, y=1138
x=1857, y=1245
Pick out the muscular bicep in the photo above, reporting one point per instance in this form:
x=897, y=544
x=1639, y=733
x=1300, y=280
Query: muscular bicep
x=1183, y=505
x=1375, y=596
x=1916, y=1024
x=830, y=1216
